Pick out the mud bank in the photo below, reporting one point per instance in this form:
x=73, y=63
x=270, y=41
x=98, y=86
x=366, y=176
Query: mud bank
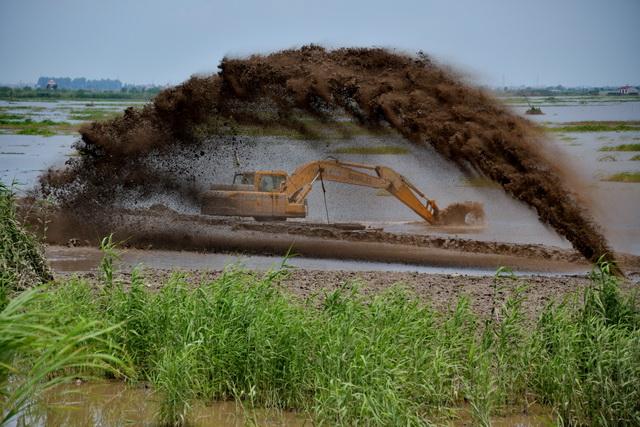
x=163, y=228
x=421, y=100
x=440, y=290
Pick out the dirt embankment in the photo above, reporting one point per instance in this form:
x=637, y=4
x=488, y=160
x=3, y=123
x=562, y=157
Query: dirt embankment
x=422, y=101
x=440, y=290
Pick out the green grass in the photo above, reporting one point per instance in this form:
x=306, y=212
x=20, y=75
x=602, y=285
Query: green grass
x=380, y=149
x=608, y=158
x=622, y=147
x=34, y=130
x=636, y=157
x=624, y=177
x=597, y=126
x=36, y=351
x=4, y=117
x=345, y=358
x=22, y=263
x=42, y=128
x=93, y=114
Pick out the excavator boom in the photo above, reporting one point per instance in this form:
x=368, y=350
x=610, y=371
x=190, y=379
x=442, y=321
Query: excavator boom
x=299, y=184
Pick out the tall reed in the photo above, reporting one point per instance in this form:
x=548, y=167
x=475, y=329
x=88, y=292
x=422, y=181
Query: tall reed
x=346, y=358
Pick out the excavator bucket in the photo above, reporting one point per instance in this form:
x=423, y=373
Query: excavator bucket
x=466, y=213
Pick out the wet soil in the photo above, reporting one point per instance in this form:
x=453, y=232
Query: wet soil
x=442, y=291
x=163, y=228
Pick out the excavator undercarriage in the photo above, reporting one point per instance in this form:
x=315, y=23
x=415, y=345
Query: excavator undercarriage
x=274, y=195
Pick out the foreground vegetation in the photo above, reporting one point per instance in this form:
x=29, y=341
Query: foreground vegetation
x=35, y=353
x=344, y=358
x=341, y=357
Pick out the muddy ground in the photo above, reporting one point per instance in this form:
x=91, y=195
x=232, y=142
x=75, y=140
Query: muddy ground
x=163, y=228
x=442, y=291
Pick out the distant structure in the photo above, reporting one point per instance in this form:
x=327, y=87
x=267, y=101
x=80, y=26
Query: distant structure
x=627, y=90
x=51, y=84
x=621, y=91
x=79, y=83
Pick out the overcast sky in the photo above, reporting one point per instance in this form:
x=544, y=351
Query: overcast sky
x=546, y=42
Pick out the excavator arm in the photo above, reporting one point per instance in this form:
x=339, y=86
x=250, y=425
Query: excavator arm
x=300, y=182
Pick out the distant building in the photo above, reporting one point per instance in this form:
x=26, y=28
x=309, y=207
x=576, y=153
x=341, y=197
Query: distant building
x=51, y=84
x=628, y=90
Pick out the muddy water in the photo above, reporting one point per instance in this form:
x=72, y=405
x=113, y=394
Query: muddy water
x=615, y=205
x=584, y=112
x=24, y=157
x=65, y=260
x=110, y=404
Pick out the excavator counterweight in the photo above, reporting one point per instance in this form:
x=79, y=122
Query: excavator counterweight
x=274, y=195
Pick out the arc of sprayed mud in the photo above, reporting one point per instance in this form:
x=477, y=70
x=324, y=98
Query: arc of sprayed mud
x=427, y=106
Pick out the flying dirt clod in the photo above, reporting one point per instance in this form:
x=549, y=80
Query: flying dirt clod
x=421, y=100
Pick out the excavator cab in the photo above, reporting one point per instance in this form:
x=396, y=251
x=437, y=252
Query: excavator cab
x=266, y=181
x=257, y=194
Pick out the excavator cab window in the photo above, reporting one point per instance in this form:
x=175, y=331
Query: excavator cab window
x=270, y=182
x=245, y=178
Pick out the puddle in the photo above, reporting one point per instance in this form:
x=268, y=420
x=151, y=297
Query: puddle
x=85, y=259
x=111, y=404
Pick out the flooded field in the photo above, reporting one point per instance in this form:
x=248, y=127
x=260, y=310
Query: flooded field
x=36, y=135
x=24, y=157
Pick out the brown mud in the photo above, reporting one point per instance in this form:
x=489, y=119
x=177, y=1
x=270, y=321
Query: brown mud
x=441, y=291
x=424, y=102
x=162, y=228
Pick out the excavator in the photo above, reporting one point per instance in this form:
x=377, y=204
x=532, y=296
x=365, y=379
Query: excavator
x=270, y=195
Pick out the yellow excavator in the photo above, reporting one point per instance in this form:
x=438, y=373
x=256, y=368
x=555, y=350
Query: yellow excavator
x=274, y=195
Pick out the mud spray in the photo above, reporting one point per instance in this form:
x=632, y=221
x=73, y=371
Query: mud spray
x=421, y=100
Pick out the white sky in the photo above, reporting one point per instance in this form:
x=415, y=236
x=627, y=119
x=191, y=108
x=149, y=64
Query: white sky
x=546, y=42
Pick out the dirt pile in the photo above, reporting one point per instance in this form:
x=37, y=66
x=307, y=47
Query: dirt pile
x=422, y=101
